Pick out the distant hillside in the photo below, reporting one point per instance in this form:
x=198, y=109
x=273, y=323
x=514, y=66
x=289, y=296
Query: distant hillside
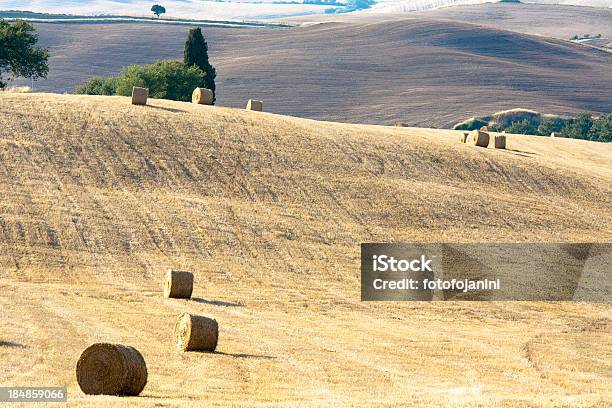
x=559, y=21
x=403, y=6
x=422, y=72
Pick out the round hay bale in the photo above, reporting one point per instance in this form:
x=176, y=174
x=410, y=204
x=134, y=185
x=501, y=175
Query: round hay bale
x=254, y=105
x=202, y=96
x=500, y=141
x=479, y=138
x=196, y=333
x=111, y=369
x=178, y=284
x=139, y=95
x=484, y=129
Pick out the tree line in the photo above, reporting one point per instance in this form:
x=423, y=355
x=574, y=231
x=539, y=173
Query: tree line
x=583, y=126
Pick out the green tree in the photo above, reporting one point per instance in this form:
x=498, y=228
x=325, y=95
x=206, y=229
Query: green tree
x=19, y=54
x=579, y=127
x=524, y=127
x=165, y=80
x=98, y=86
x=601, y=131
x=196, y=54
x=554, y=125
x=158, y=10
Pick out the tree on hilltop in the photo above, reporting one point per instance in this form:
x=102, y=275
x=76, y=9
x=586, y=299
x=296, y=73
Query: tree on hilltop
x=158, y=10
x=196, y=53
x=19, y=54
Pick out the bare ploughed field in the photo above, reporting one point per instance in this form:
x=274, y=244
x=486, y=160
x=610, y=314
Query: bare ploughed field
x=539, y=19
x=99, y=197
x=419, y=68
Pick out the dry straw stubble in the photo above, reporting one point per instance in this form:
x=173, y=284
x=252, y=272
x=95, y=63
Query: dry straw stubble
x=111, y=369
x=178, y=284
x=196, y=333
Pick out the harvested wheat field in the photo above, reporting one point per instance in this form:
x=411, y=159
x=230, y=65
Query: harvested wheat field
x=99, y=198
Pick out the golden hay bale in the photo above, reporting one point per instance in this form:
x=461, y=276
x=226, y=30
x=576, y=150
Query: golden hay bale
x=196, y=333
x=139, y=95
x=500, y=141
x=254, y=105
x=111, y=369
x=178, y=284
x=556, y=134
x=479, y=138
x=202, y=96
x=484, y=129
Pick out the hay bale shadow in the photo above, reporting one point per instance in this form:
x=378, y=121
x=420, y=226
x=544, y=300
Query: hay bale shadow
x=521, y=152
x=173, y=110
x=216, y=302
x=244, y=355
x=12, y=344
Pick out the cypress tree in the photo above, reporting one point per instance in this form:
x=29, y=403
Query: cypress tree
x=196, y=53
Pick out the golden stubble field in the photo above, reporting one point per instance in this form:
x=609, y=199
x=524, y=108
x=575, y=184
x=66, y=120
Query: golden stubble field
x=99, y=197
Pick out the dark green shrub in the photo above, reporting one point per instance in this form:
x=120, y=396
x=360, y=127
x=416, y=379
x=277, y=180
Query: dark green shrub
x=164, y=79
x=579, y=127
x=98, y=86
x=601, y=131
x=524, y=127
x=550, y=126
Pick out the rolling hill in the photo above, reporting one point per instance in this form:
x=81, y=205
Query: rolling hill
x=419, y=71
x=99, y=197
x=403, y=6
x=551, y=21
